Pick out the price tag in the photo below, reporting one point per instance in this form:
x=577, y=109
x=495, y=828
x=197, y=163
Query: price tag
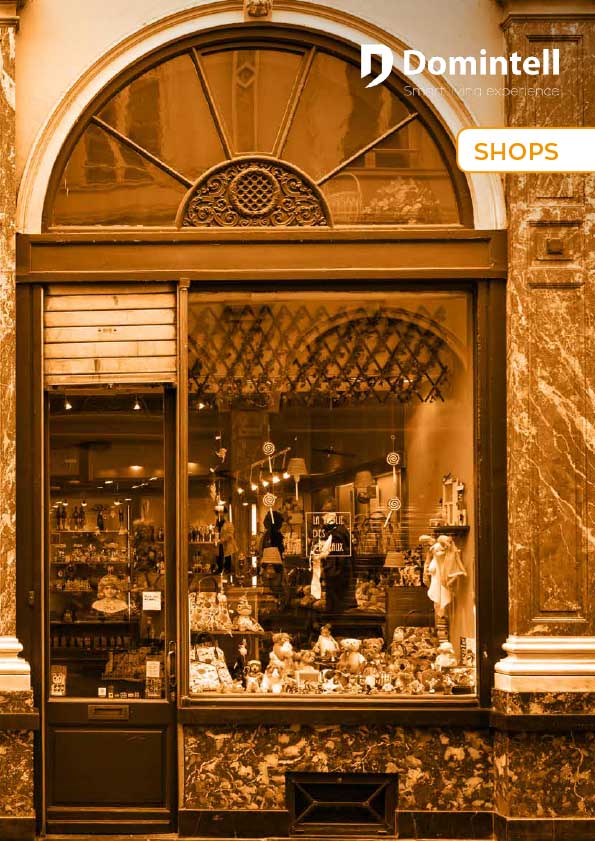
x=153, y=668
x=151, y=599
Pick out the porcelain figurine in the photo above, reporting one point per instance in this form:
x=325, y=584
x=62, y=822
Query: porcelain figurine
x=326, y=647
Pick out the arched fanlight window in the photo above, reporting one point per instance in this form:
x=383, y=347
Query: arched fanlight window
x=259, y=131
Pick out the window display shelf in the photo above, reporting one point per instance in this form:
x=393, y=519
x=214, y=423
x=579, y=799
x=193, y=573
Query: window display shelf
x=134, y=620
x=91, y=532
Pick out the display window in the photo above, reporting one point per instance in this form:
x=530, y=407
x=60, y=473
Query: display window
x=331, y=537
x=106, y=550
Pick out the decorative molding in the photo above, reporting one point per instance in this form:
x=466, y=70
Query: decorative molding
x=9, y=12
x=547, y=664
x=15, y=673
x=258, y=9
x=254, y=192
x=486, y=188
x=552, y=9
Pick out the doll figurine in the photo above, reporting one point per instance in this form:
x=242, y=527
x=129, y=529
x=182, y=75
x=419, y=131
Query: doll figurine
x=226, y=541
x=223, y=619
x=253, y=676
x=443, y=569
x=281, y=657
x=326, y=647
x=244, y=620
x=445, y=658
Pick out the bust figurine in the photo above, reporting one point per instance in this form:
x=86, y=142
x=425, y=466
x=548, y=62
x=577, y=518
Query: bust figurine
x=109, y=593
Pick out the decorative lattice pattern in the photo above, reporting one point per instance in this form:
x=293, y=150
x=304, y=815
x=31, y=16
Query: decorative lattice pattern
x=260, y=355
x=254, y=192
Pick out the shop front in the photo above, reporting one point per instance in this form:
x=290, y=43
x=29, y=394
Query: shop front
x=269, y=544
x=261, y=400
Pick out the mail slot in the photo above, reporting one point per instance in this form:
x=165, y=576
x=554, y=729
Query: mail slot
x=108, y=712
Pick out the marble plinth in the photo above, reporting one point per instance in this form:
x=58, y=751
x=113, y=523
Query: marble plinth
x=243, y=768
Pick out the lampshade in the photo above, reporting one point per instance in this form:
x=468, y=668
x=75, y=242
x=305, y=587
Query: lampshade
x=271, y=555
x=296, y=467
x=363, y=479
x=394, y=559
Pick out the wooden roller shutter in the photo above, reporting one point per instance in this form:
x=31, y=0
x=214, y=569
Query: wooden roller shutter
x=116, y=333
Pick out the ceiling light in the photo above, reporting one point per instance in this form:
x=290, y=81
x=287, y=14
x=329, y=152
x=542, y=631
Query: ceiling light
x=276, y=479
x=137, y=406
x=109, y=482
x=201, y=406
x=67, y=404
x=253, y=487
x=286, y=475
x=240, y=490
x=265, y=483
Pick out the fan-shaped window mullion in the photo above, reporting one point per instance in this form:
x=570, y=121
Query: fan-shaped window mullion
x=293, y=103
x=126, y=141
x=215, y=113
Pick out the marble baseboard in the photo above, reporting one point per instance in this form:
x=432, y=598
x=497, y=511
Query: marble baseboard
x=275, y=824
x=237, y=823
x=451, y=825
x=548, y=829
x=16, y=775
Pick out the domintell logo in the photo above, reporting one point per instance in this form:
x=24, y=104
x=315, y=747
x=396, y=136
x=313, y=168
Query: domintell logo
x=415, y=62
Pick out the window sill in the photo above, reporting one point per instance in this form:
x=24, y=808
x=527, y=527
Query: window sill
x=423, y=712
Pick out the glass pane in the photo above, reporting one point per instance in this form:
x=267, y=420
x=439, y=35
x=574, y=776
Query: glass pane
x=165, y=112
x=337, y=116
x=402, y=180
x=252, y=90
x=331, y=494
x=106, y=565
x=107, y=183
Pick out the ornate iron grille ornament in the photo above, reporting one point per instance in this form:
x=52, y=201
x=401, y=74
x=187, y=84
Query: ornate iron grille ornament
x=254, y=192
x=251, y=356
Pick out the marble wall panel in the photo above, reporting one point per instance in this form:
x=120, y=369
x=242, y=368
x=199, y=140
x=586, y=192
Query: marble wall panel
x=541, y=775
x=244, y=767
x=16, y=774
x=551, y=366
x=7, y=334
x=543, y=703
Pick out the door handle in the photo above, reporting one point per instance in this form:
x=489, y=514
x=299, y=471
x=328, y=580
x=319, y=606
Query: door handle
x=170, y=661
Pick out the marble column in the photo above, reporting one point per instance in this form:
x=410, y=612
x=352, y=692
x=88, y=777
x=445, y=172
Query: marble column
x=551, y=371
x=14, y=672
x=545, y=687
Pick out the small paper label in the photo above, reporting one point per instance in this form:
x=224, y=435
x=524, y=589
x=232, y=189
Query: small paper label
x=153, y=668
x=58, y=681
x=152, y=600
x=101, y=692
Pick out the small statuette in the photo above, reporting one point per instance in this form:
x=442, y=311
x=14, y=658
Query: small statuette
x=258, y=8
